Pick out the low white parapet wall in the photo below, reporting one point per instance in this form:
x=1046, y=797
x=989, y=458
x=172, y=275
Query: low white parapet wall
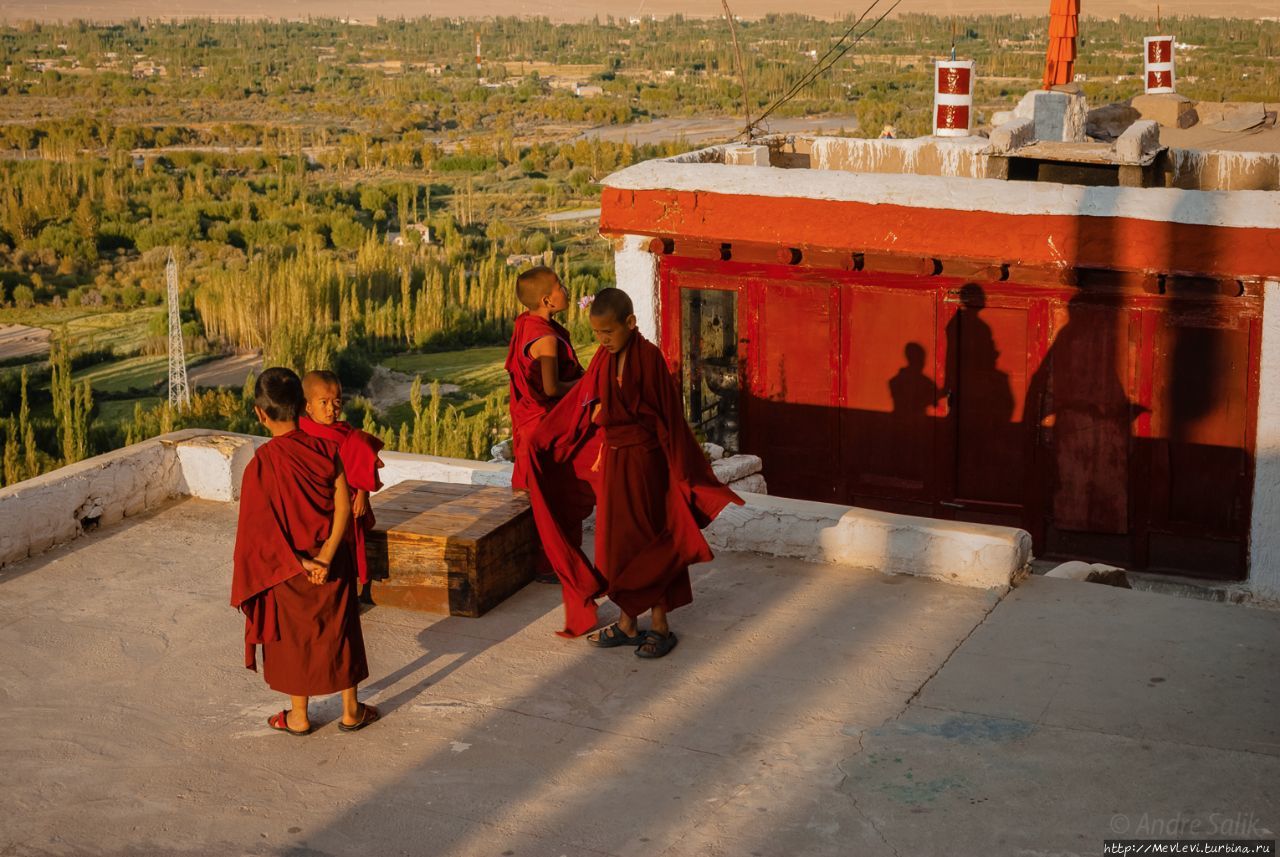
x=58, y=506
x=975, y=555
x=39, y=513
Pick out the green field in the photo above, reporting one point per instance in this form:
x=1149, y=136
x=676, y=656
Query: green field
x=123, y=331
x=146, y=372
x=122, y=410
x=478, y=371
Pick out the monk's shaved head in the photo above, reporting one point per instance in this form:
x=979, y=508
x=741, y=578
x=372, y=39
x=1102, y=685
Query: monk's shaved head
x=535, y=284
x=613, y=302
x=279, y=393
x=318, y=379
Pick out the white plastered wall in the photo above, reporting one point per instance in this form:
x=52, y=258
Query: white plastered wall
x=636, y=270
x=1264, y=541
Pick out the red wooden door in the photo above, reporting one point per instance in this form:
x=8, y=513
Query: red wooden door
x=890, y=395
x=993, y=344
x=1203, y=394
x=790, y=412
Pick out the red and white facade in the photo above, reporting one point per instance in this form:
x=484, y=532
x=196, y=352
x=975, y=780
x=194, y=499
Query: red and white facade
x=1099, y=366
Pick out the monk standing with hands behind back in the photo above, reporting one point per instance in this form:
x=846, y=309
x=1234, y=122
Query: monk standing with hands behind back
x=294, y=575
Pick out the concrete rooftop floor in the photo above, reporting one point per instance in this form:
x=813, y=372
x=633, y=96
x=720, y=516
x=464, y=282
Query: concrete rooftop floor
x=809, y=710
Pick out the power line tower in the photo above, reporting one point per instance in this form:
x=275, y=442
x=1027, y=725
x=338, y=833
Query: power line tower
x=179, y=391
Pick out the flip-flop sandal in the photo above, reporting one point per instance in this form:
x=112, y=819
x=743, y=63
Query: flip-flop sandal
x=368, y=715
x=280, y=723
x=655, y=645
x=612, y=637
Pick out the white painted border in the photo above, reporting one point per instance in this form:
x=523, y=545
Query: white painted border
x=1241, y=209
x=636, y=272
x=1264, y=539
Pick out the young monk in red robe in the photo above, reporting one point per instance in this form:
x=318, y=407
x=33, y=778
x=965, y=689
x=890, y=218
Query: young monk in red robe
x=357, y=450
x=294, y=575
x=655, y=489
x=543, y=367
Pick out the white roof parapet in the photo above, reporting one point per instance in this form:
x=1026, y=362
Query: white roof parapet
x=1243, y=209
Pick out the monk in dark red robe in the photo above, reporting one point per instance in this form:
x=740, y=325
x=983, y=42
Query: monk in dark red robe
x=655, y=489
x=543, y=367
x=294, y=575
x=357, y=450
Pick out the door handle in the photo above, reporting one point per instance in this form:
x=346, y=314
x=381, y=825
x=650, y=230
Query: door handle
x=951, y=505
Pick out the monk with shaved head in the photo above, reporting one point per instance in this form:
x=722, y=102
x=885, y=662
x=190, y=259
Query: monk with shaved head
x=294, y=576
x=654, y=487
x=542, y=366
x=358, y=451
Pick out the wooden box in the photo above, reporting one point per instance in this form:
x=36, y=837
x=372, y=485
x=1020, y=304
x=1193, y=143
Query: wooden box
x=447, y=548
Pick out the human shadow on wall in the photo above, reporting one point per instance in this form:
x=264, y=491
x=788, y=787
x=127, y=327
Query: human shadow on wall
x=991, y=457
x=1082, y=417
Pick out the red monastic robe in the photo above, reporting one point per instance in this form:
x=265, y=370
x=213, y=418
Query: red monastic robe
x=529, y=403
x=310, y=634
x=655, y=489
x=358, y=451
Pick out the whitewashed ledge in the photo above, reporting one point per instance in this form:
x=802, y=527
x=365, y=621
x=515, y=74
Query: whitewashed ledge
x=976, y=555
x=57, y=507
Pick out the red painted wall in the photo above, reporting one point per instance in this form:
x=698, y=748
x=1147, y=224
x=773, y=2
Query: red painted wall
x=1041, y=240
x=1112, y=425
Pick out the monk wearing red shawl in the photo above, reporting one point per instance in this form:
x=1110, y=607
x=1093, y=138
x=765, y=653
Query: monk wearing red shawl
x=294, y=575
x=357, y=450
x=655, y=489
x=543, y=367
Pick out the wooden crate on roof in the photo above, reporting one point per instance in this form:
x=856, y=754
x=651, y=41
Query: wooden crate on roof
x=449, y=548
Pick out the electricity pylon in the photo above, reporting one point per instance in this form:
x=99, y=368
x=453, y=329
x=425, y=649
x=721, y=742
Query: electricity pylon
x=179, y=391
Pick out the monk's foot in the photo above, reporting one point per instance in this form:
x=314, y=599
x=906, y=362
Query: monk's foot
x=291, y=722
x=657, y=645
x=298, y=721
x=365, y=716
x=614, y=636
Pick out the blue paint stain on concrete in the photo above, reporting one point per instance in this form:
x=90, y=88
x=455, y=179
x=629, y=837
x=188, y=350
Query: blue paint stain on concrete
x=962, y=729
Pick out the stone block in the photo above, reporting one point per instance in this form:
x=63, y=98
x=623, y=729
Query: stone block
x=1110, y=121
x=747, y=156
x=753, y=484
x=1139, y=140
x=1014, y=134
x=1243, y=114
x=736, y=467
x=1058, y=116
x=1170, y=109
x=714, y=451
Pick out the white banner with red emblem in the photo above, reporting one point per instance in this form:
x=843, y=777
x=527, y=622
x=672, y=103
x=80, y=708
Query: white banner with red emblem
x=953, y=98
x=1158, y=53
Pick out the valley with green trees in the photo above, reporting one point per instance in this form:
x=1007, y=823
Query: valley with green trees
x=362, y=198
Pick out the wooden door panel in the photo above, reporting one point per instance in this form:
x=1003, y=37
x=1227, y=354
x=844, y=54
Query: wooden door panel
x=1199, y=425
x=989, y=371
x=793, y=418
x=890, y=392
x=1089, y=419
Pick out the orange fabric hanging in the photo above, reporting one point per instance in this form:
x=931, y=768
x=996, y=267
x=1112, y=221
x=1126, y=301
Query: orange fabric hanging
x=1064, y=26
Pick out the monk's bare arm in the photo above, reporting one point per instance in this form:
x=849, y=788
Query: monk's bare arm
x=360, y=506
x=544, y=351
